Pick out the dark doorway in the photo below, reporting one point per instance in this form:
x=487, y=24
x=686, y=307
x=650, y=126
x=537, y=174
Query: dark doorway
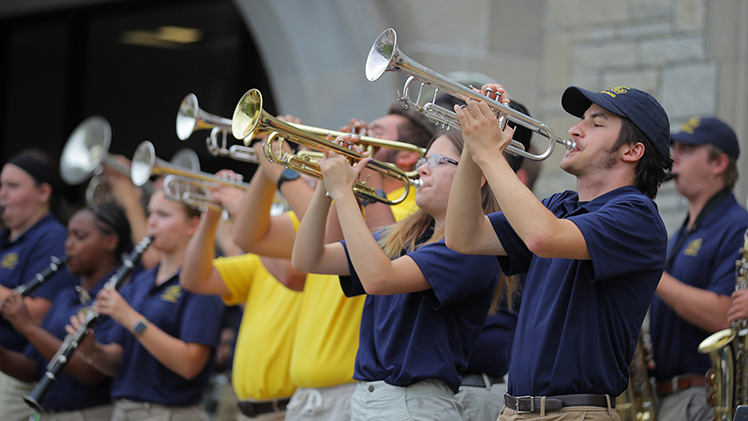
x=130, y=62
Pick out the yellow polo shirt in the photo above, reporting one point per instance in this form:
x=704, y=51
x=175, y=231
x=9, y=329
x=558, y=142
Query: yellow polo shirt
x=264, y=344
x=324, y=350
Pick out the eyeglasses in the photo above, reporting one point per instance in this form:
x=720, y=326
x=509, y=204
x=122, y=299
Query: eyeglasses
x=434, y=161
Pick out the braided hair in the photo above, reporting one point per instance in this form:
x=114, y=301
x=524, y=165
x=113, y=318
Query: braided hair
x=111, y=219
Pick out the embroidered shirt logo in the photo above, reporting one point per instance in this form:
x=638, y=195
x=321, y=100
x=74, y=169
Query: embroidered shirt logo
x=9, y=261
x=692, y=124
x=616, y=90
x=693, y=247
x=172, y=293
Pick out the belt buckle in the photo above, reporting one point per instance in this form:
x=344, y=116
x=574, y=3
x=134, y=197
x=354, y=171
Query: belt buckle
x=674, y=384
x=520, y=399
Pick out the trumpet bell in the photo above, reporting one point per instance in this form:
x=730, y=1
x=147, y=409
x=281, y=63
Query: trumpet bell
x=187, y=116
x=85, y=150
x=380, y=54
x=143, y=162
x=247, y=115
x=190, y=118
x=186, y=158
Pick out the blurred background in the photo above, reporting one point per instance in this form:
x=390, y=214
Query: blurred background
x=132, y=62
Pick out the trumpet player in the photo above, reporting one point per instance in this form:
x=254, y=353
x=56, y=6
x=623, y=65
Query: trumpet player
x=260, y=373
x=693, y=296
x=326, y=340
x=593, y=257
x=31, y=216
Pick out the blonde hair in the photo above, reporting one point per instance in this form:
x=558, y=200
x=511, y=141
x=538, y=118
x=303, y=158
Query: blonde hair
x=403, y=236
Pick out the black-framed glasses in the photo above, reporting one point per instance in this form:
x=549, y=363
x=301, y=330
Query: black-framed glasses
x=434, y=160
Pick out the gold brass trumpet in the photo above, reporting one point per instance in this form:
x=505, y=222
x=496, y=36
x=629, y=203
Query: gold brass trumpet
x=385, y=56
x=190, y=118
x=249, y=117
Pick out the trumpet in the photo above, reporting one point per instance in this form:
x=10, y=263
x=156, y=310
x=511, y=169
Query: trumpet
x=191, y=118
x=86, y=154
x=385, y=56
x=145, y=163
x=249, y=118
x=195, y=192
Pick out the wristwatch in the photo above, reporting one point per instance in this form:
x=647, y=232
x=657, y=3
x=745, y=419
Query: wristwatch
x=287, y=175
x=380, y=193
x=139, y=327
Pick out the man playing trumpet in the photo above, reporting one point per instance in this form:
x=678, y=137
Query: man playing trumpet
x=593, y=257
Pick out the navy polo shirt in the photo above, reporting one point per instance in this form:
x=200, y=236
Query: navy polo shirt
x=703, y=258
x=68, y=394
x=491, y=352
x=184, y=315
x=22, y=259
x=580, y=319
x=406, y=338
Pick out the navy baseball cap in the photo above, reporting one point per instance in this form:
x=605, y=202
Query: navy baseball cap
x=638, y=106
x=708, y=130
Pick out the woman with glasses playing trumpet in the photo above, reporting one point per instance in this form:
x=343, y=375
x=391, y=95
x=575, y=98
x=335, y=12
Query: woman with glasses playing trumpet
x=98, y=238
x=432, y=300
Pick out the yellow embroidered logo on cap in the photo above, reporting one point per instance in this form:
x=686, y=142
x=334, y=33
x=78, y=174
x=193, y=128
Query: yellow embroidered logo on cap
x=693, y=247
x=691, y=125
x=616, y=90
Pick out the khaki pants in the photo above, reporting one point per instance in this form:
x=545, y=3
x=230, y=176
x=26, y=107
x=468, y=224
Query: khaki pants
x=12, y=406
x=479, y=403
x=685, y=405
x=126, y=410
x=327, y=403
x=572, y=413
x=97, y=413
x=429, y=400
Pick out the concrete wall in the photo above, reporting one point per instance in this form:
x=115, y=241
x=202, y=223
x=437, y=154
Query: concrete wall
x=691, y=54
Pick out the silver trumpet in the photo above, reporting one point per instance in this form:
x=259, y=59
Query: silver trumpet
x=385, y=56
x=195, y=192
x=191, y=118
x=188, y=186
x=86, y=154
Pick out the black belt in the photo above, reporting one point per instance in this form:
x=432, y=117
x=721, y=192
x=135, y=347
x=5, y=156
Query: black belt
x=253, y=409
x=481, y=380
x=524, y=404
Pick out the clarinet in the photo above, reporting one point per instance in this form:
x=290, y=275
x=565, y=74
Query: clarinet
x=71, y=342
x=27, y=288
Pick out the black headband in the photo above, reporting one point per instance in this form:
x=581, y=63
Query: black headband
x=38, y=170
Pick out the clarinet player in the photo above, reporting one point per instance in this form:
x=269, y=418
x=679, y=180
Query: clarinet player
x=98, y=238
x=160, y=351
x=33, y=219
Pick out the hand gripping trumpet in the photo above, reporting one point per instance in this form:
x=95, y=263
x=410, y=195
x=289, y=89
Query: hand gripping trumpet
x=385, y=56
x=35, y=398
x=727, y=380
x=249, y=118
x=191, y=118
